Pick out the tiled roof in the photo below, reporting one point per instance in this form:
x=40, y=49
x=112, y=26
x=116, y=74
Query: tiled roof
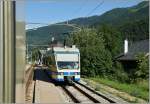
x=136, y=48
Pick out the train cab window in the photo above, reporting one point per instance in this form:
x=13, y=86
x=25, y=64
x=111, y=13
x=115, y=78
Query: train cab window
x=67, y=65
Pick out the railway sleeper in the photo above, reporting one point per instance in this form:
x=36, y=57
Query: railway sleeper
x=101, y=95
x=86, y=94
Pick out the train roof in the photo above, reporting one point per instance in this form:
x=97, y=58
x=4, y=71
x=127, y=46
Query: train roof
x=65, y=49
x=62, y=50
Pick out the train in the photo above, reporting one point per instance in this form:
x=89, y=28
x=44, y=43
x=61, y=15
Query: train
x=64, y=63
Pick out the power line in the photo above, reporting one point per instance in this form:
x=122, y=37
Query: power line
x=75, y=12
x=80, y=8
x=95, y=8
x=71, y=25
x=36, y=23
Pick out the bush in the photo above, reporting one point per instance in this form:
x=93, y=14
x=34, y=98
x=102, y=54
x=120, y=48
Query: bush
x=142, y=71
x=119, y=73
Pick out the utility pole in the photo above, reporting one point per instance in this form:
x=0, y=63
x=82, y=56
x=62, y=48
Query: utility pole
x=27, y=55
x=31, y=56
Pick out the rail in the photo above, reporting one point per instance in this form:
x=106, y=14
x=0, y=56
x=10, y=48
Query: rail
x=71, y=95
x=86, y=94
x=28, y=78
x=76, y=94
x=101, y=95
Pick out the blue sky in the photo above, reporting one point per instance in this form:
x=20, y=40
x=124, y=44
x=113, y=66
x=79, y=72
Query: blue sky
x=53, y=11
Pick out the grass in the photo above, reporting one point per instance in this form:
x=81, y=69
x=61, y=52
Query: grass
x=140, y=89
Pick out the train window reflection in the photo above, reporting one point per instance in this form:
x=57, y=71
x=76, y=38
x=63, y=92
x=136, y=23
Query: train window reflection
x=67, y=65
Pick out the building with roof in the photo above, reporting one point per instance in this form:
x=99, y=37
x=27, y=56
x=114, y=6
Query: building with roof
x=129, y=57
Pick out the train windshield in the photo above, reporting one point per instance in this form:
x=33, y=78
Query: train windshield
x=67, y=65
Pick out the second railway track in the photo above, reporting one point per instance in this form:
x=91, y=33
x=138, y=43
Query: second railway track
x=80, y=93
x=91, y=91
x=78, y=96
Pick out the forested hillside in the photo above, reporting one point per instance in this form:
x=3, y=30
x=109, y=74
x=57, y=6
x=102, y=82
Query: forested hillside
x=135, y=30
x=117, y=16
x=132, y=22
x=44, y=34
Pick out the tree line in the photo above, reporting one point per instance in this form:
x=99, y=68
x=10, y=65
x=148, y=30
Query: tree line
x=99, y=46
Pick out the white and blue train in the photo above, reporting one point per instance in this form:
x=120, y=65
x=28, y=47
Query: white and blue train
x=64, y=63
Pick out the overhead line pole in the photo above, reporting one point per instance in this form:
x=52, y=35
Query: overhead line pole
x=95, y=8
x=67, y=24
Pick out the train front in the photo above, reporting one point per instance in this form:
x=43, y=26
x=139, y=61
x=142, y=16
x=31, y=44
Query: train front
x=67, y=63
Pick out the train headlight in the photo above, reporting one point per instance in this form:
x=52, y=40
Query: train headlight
x=61, y=73
x=76, y=73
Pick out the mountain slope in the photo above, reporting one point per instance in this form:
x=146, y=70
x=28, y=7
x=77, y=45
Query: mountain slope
x=44, y=34
x=116, y=17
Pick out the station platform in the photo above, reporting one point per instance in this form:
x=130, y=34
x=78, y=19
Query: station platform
x=45, y=90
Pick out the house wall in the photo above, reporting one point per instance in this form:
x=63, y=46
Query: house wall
x=129, y=65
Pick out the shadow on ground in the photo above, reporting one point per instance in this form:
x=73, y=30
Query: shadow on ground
x=42, y=75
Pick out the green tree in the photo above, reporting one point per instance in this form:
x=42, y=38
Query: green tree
x=142, y=71
x=135, y=30
x=35, y=54
x=112, y=39
x=95, y=59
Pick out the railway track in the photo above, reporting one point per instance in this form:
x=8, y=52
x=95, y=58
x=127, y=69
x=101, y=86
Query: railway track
x=78, y=96
x=29, y=93
x=79, y=93
x=33, y=96
x=74, y=99
x=29, y=83
x=98, y=95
